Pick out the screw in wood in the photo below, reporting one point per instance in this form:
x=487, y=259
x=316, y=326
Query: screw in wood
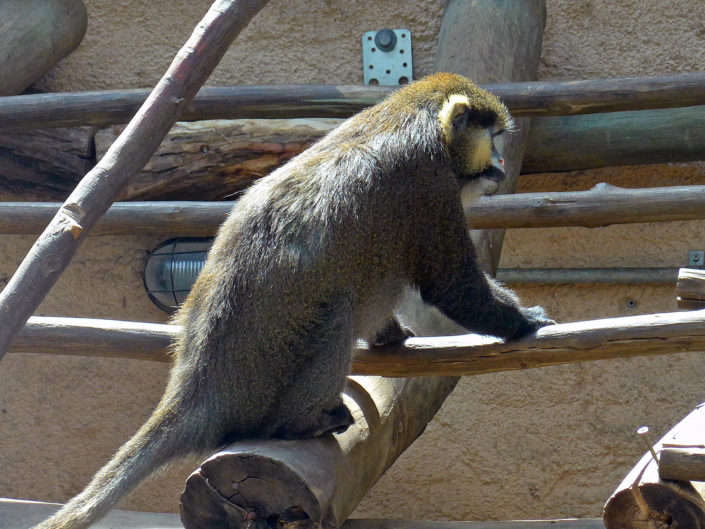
x=644, y=434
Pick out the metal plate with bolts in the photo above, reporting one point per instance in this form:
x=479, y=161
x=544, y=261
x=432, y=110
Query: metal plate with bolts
x=696, y=258
x=386, y=57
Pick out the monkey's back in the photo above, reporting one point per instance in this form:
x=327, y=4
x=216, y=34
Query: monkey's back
x=333, y=229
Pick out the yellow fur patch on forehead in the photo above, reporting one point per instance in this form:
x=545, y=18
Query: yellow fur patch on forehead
x=452, y=107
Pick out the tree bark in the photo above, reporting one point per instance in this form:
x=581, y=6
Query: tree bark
x=213, y=160
x=45, y=164
x=102, y=108
x=54, y=249
x=644, y=500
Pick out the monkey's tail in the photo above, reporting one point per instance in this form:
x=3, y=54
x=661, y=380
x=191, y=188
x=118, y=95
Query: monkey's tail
x=157, y=442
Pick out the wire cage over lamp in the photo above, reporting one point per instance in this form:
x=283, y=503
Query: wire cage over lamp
x=172, y=268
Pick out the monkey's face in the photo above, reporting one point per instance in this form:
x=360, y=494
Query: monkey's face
x=474, y=136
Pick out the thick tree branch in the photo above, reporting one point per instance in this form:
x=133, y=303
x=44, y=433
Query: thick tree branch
x=52, y=252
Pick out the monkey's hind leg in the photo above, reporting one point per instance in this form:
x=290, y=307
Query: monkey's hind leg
x=312, y=404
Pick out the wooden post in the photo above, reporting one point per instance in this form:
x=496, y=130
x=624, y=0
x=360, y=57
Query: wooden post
x=644, y=500
x=34, y=36
x=53, y=251
x=488, y=42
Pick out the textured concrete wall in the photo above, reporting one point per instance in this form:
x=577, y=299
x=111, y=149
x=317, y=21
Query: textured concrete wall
x=532, y=444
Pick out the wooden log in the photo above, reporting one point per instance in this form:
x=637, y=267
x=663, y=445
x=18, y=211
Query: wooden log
x=682, y=457
x=34, y=36
x=690, y=288
x=644, y=500
x=313, y=481
x=558, y=276
x=110, y=107
x=683, y=464
x=224, y=168
x=626, y=337
x=319, y=482
x=212, y=160
x=603, y=205
x=45, y=164
x=53, y=251
x=18, y=514
x=619, y=138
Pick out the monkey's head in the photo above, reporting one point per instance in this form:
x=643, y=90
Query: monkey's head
x=472, y=123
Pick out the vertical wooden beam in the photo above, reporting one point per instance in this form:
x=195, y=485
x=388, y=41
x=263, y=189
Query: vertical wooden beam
x=318, y=482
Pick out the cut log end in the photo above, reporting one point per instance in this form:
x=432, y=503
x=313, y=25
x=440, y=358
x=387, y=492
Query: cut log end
x=248, y=490
x=662, y=505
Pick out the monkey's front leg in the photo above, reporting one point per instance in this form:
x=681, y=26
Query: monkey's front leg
x=453, y=283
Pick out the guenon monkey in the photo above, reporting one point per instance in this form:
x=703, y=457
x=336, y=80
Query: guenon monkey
x=313, y=257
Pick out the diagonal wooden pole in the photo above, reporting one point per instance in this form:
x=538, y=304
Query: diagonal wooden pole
x=53, y=251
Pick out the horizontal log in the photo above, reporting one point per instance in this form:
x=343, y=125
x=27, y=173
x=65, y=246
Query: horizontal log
x=619, y=138
x=212, y=160
x=45, y=164
x=295, y=101
x=682, y=457
x=18, y=514
x=601, y=206
x=627, y=337
x=559, y=276
x=683, y=464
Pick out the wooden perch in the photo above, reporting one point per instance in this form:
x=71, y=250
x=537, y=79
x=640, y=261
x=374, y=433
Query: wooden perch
x=627, y=337
x=317, y=483
x=601, y=206
x=619, y=138
x=643, y=500
x=111, y=107
x=53, y=251
x=690, y=288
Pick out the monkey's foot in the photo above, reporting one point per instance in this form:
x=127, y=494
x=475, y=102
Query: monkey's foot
x=336, y=420
x=392, y=333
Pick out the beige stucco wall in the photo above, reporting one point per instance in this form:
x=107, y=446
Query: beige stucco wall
x=532, y=444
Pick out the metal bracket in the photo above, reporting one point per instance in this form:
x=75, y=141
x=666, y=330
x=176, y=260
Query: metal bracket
x=386, y=57
x=696, y=258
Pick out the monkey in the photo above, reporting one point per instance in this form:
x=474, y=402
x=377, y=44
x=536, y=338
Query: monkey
x=312, y=258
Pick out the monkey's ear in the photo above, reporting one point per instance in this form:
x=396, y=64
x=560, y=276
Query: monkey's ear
x=454, y=115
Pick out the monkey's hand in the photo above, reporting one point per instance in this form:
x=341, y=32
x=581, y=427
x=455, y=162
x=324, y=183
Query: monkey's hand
x=536, y=318
x=392, y=333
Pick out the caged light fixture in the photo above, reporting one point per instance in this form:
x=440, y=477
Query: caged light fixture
x=172, y=268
